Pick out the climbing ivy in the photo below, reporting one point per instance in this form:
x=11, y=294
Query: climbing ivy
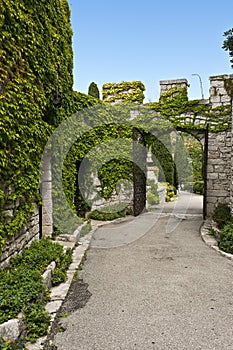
x=175, y=106
x=36, y=63
x=124, y=92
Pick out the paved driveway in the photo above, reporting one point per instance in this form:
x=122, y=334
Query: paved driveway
x=159, y=287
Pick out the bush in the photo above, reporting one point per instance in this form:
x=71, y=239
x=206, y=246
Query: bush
x=198, y=187
x=152, y=198
x=110, y=213
x=23, y=290
x=222, y=214
x=225, y=240
x=171, y=193
x=39, y=255
x=12, y=345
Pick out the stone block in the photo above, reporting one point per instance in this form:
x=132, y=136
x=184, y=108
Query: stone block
x=213, y=176
x=47, y=275
x=225, y=99
x=216, y=104
x=60, y=292
x=53, y=306
x=47, y=230
x=11, y=329
x=215, y=99
x=219, y=168
x=47, y=219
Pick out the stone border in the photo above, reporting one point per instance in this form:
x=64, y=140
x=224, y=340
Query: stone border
x=13, y=328
x=59, y=293
x=211, y=241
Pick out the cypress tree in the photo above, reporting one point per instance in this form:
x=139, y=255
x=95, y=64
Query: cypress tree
x=93, y=90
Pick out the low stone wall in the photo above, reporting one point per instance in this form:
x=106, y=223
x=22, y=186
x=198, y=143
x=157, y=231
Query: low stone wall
x=22, y=239
x=114, y=200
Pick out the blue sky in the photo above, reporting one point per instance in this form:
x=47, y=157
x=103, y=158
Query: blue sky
x=150, y=40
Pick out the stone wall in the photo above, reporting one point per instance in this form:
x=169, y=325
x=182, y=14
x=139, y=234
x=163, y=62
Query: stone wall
x=220, y=159
x=22, y=239
x=166, y=85
x=219, y=167
x=40, y=224
x=46, y=193
x=219, y=170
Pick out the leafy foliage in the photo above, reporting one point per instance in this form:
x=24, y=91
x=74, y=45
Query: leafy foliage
x=93, y=90
x=36, y=60
x=225, y=240
x=222, y=214
x=22, y=288
x=12, y=345
x=124, y=92
x=198, y=187
x=228, y=44
x=196, y=154
x=174, y=106
x=111, y=212
x=182, y=162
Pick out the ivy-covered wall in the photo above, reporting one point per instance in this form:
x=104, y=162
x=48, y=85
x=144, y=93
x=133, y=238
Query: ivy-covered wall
x=36, y=63
x=124, y=92
x=186, y=114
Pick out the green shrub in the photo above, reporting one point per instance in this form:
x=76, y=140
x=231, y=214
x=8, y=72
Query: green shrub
x=171, y=192
x=39, y=255
x=12, y=345
x=59, y=275
x=36, y=59
x=225, y=240
x=198, y=187
x=222, y=214
x=152, y=198
x=20, y=288
x=23, y=290
x=110, y=213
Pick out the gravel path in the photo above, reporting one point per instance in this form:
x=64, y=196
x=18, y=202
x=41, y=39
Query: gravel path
x=164, y=289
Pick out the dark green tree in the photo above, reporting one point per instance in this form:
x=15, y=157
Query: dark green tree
x=93, y=90
x=228, y=44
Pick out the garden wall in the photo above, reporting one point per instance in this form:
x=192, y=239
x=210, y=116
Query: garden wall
x=21, y=239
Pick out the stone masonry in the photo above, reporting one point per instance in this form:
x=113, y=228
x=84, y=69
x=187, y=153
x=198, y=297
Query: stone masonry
x=22, y=239
x=220, y=160
x=219, y=167
x=219, y=170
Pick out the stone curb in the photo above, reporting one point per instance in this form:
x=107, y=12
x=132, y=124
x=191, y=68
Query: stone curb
x=211, y=241
x=59, y=293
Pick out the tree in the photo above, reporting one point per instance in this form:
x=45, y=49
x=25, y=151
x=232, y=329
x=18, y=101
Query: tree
x=93, y=90
x=228, y=44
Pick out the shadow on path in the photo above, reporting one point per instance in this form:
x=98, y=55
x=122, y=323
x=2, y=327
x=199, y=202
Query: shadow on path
x=127, y=230
x=158, y=292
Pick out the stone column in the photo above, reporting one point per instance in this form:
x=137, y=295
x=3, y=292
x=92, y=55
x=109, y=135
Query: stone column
x=166, y=85
x=220, y=90
x=46, y=192
x=231, y=188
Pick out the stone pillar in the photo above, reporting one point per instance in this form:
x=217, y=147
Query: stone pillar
x=231, y=187
x=166, y=85
x=220, y=90
x=46, y=192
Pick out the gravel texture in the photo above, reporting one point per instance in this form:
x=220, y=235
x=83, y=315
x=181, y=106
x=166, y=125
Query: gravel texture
x=164, y=290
